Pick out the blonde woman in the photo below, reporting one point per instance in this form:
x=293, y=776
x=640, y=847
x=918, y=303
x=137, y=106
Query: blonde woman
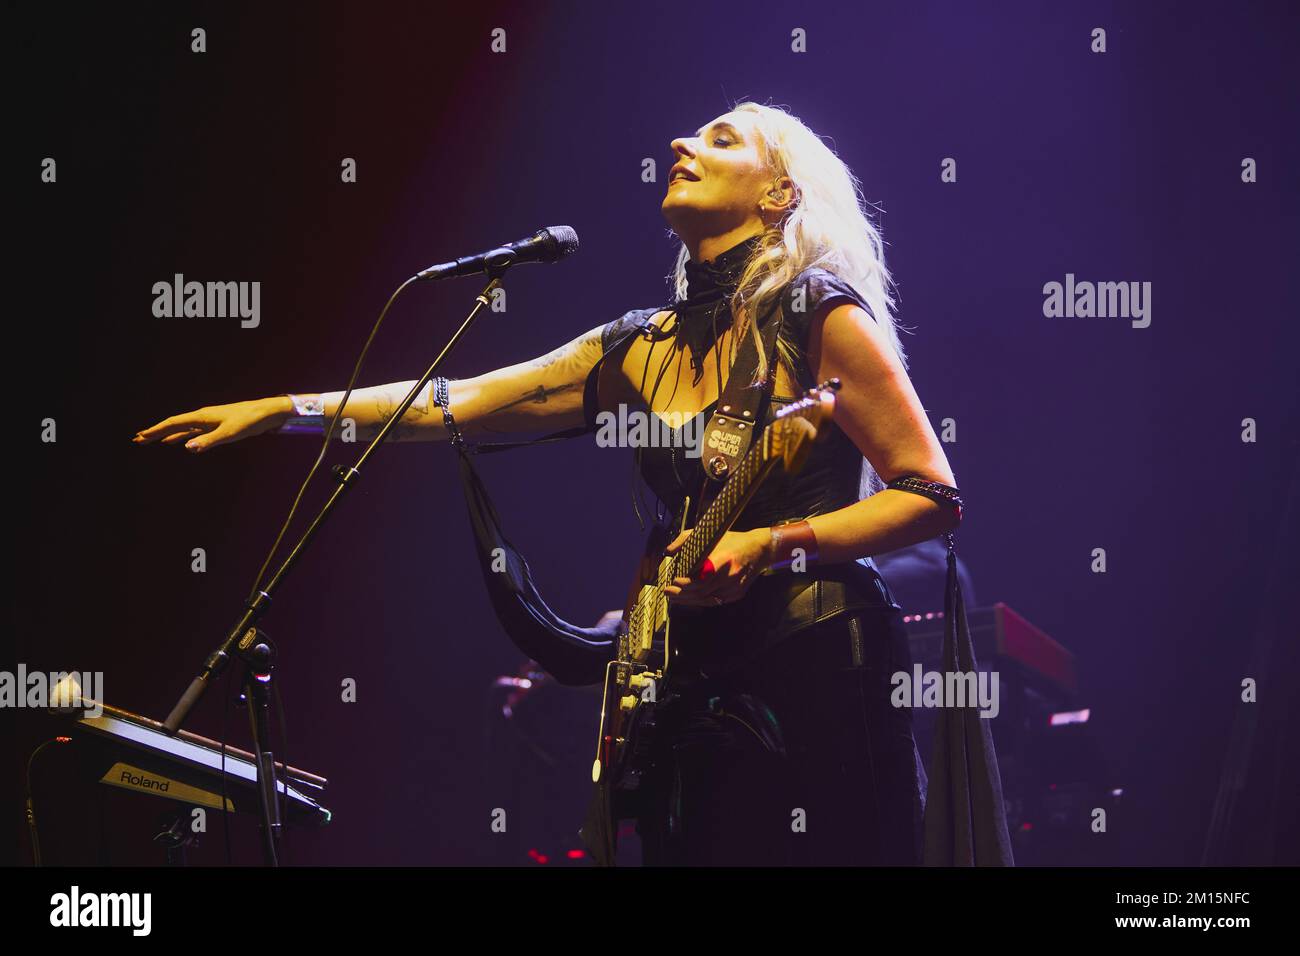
x=782, y=747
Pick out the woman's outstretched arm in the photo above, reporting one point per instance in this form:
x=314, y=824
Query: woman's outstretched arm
x=542, y=394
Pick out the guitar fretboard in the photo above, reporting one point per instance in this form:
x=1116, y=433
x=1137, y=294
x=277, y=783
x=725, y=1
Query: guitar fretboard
x=730, y=501
x=721, y=512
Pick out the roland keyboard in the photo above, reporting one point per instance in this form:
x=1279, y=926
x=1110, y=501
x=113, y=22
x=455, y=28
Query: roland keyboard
x=135, y=753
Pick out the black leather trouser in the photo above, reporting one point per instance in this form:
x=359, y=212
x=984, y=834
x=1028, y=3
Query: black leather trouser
x=796, y=758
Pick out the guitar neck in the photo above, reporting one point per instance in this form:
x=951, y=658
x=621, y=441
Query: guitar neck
x=724, y=509
x=784, y=440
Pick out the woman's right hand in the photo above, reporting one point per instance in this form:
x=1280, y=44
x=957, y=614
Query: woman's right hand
x=213, y=425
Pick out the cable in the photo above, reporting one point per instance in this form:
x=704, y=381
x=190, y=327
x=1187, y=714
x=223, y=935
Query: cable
x=275, y=546
x=329, y=433
x=284, y=761
x=31, y=805
x=225, y=803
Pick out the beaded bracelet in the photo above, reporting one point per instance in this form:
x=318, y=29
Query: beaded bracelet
x=442, y=398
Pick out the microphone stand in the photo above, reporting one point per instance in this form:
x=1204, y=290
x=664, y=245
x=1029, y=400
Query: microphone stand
x=252, y=646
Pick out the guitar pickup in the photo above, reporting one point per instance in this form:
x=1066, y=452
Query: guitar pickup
x=646, y=684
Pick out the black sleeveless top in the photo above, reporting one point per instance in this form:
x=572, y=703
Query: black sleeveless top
x=781, y=603
x=831, y=475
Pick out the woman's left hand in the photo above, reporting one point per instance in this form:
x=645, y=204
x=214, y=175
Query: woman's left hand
x=736, y=561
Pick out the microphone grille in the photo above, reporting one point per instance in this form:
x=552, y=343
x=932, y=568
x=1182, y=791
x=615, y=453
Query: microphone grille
x=563, y=241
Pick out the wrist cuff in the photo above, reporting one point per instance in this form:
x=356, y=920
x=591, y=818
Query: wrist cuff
x=308, y=416
x=793, y=545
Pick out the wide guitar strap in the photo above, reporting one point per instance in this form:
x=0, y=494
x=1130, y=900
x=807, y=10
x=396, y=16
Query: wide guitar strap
x=742, y=409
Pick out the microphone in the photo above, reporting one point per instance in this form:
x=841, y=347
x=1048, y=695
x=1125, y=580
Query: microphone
x=546, y=245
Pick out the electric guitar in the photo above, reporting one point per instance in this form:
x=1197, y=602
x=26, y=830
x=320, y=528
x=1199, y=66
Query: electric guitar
x=636, y=680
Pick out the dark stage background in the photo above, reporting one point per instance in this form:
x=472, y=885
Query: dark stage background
x=1072, y=434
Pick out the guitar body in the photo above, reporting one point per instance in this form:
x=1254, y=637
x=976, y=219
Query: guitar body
x=648, y=621
x=635, y=686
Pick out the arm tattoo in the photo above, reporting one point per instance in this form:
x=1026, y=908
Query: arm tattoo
x=536, y=396
x=571, y=350
x=386, y=405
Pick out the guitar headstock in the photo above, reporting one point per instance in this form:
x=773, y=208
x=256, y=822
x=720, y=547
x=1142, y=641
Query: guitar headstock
x=797, y=426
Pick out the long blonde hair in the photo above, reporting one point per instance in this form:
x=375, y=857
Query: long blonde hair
x=830, y=226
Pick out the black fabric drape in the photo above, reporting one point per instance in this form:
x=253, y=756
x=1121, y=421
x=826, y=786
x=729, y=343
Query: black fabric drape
x=571, y=654
x=965, y=816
